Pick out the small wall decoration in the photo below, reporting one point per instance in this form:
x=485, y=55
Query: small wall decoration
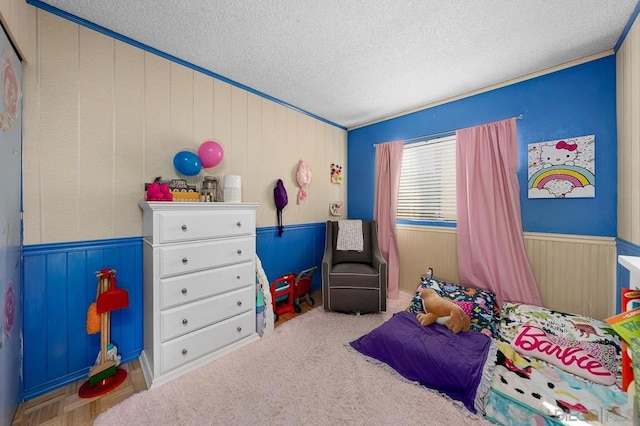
x=336, y=173
x=563, y=168
x=303, y=178
x=335, y=208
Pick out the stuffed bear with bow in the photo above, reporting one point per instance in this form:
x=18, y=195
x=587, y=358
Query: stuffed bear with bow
x=442, y=311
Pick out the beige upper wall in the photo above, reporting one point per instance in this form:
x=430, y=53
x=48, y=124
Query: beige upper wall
x=628, y=110
x=102, y=117
x=18, y=19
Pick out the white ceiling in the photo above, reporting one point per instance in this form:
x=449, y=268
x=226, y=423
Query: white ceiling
x=354, y=61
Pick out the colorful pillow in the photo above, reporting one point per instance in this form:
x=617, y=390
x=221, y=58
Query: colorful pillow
x=534, y=342
x=484, y=311
x=561, y=324
x=573, y=327
x=606, y=354
x=467, y=307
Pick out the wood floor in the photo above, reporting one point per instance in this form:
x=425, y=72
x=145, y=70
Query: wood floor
x=64, y=407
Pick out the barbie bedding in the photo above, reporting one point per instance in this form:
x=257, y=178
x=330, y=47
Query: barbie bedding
x=579, y=385
x=529, y=390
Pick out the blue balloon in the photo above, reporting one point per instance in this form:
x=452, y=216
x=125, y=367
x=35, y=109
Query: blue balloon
x=187, y=163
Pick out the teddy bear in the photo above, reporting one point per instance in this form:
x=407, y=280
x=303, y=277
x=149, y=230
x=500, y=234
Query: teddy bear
x=159, y=192
x=443, y=311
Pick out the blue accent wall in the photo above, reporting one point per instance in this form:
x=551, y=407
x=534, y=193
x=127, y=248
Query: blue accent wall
x=576, y=101
x=60, y=284
x=300, y=247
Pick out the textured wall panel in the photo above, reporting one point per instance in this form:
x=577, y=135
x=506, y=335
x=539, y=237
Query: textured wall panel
x=128, y=138
x=574, y=273
x=628, y=110
x=19, y=20
x=113, y=117
x=95, y=148
x=59, y=286
x=422, y=247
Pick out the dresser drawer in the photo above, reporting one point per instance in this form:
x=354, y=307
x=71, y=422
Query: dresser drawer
x=184, y=258
x=183, y=289
x=188, y=348
x=188, y=226
x=187, y=318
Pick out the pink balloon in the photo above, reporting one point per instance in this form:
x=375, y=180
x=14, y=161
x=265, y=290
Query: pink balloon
x=210, y=153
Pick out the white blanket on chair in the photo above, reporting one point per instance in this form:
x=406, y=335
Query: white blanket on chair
x=350, y=235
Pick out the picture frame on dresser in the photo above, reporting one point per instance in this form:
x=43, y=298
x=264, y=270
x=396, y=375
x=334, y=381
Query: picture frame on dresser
x=199, y=285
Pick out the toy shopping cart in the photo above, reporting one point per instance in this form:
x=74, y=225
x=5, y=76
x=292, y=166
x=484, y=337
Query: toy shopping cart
x=302, y=287
x=282, y=295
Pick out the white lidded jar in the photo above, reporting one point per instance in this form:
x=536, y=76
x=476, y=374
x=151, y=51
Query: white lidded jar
x=232, y=189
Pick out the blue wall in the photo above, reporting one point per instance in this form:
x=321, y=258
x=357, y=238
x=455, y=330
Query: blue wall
x=60, y=284
x=300, y=247
x=577, y=101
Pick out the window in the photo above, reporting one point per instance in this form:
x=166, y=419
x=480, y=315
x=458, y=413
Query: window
x=428, y=180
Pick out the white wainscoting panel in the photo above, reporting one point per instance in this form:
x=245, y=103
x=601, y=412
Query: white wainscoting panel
x=575, y=273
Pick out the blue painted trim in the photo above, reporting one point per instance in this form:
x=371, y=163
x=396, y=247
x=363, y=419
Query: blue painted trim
x=300, y=226
x=426, y=223
x=107, y=32
x=37, y=249
x=626, y=30
x=626, y=247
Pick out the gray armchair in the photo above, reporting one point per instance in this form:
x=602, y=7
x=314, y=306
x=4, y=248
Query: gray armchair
x=354, y=281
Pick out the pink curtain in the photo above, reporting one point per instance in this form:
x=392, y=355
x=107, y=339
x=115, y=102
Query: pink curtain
x=491, y=253
x=388, y=166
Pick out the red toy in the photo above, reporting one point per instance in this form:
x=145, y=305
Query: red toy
x=282, y=295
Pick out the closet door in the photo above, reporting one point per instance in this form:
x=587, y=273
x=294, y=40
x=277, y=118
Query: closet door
x=10, y=229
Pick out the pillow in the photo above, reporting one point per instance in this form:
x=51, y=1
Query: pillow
x=561, y=324
x=484, y=312
x=534, y=342
x=606, y=354
x=467, y=307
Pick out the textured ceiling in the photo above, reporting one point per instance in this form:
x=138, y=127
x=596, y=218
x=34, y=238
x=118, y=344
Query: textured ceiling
x=355, y=61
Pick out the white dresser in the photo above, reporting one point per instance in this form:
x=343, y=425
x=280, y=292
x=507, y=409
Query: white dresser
x=199, y=284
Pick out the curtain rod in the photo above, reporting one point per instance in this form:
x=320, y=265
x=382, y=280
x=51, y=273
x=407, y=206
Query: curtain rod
x=434, y=135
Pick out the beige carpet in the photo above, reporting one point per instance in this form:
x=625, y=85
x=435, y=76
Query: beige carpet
x=301, y=374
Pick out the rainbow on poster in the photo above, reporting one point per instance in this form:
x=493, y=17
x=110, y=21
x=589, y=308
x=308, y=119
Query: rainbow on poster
x=578, y=176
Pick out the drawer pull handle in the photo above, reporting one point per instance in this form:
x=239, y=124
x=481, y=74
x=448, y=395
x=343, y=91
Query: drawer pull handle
x=237, y=277
x=239, y=302
x=238, y=224
x=239, y=251
x=184, y=227
x=184, y=351
x=185, y=260
x=239, y=329
x=185, y=321
x=184, y=291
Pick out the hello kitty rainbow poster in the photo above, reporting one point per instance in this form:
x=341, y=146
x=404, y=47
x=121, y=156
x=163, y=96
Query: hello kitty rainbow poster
x=564, y=168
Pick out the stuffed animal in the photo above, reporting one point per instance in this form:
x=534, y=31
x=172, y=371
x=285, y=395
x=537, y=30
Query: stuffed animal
x=439, y=309
x=159, y=192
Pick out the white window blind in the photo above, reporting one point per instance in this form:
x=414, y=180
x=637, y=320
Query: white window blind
x=428, y=180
